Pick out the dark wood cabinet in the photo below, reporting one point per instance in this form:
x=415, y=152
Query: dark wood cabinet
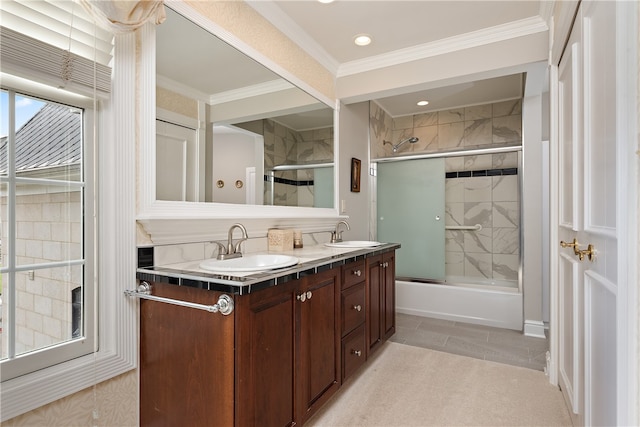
x=288, y=359
x=381, y=302
x=266, y=354
x=318, y=356
x=388, y=294
x=274, y=361
x=353, y=314
x=186, y=361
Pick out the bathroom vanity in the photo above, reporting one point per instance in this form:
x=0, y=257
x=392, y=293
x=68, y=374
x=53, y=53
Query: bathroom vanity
x=294, y=336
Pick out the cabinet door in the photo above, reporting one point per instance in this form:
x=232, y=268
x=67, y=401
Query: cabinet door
x=374, y=302
x=389, y=292
x=265, y=360
x=186, y=358
x=318, y=302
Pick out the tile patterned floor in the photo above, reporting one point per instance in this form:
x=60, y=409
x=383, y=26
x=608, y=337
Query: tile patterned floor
x=481, y=342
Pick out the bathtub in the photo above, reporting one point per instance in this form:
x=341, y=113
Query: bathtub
x=492, y=304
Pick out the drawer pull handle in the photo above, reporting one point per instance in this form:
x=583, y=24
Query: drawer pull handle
x=356, y=352
x=357, y=273
x=357, y=307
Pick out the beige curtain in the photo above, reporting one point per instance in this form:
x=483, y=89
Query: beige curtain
x=122, y=16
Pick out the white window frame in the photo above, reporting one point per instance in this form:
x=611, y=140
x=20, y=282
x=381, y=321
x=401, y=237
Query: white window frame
x=116, y=254
x=40, y=358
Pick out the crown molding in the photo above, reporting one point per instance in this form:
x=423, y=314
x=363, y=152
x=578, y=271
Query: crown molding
x=473, y=39
x=265, y=88
x=181, y=88
x=293, y=31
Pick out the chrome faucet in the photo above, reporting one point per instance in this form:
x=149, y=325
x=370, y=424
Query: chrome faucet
x=231, y=251
x=336, y=235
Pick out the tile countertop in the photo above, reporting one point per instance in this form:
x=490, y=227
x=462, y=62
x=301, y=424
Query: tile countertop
x=312, y=260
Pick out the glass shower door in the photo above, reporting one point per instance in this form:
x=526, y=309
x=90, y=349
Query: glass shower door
x=410, y=211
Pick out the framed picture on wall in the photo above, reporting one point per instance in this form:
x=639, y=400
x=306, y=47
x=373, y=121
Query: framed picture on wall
x=355, y=175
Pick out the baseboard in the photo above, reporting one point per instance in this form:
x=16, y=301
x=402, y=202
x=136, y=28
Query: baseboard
x=534, y=328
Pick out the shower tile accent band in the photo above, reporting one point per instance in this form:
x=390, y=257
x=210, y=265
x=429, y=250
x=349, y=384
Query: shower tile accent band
x=287, y=181
x=484, y=172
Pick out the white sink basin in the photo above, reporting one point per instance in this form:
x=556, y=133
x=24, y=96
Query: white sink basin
x=354, y=244
x=247, y=263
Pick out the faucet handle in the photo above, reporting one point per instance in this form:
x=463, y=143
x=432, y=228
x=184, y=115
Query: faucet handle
x=237, y=245
x=222, y=249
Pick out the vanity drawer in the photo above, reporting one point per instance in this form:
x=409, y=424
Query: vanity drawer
x=352, y=274
x=353, y=308
x=353, y=352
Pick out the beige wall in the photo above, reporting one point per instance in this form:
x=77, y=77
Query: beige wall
x=176, y=103
x=115, y=402
x=354, y=130
x=245, y=23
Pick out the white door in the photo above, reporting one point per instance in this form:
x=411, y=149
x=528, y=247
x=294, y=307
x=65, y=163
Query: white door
x=588, y=229
x=176, y=162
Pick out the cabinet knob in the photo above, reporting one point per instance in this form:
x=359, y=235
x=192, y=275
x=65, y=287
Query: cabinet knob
x=304, y=296
x=357, y=273
x=357, y=307
x=356, y=352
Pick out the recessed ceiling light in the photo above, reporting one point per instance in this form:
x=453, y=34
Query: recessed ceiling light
x=325, y=1
x=423, y=103
x=362, y=39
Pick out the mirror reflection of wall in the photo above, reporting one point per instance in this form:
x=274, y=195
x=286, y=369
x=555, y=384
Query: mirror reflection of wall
x=293, y=152
x=237, y=166
x=203, y=85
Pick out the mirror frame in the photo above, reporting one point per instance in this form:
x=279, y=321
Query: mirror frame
x=151, y=212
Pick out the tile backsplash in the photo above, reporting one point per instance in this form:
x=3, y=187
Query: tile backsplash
x=171, y=254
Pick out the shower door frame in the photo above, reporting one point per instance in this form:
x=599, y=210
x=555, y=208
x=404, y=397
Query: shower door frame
x=445, y=154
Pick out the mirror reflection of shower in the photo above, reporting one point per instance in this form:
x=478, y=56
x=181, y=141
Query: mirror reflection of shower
x=395, y=148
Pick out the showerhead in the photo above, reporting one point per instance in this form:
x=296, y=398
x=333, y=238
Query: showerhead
x=411, y=140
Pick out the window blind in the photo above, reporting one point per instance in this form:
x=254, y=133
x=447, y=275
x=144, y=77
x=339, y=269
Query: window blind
x=56, y=44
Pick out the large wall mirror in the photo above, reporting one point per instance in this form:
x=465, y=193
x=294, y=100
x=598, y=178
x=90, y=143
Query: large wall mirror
x=231, y=131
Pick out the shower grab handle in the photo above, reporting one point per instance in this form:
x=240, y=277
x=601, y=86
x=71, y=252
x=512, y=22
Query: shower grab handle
x=476, y=227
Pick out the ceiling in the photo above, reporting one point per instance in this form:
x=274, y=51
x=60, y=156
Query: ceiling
x=399, y=29
x=327, y=32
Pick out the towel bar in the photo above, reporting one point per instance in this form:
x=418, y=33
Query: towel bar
x=476, y=227
x=224, y=304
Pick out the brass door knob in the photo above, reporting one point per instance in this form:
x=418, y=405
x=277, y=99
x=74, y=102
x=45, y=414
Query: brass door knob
x=590, y=252
x=573, y=245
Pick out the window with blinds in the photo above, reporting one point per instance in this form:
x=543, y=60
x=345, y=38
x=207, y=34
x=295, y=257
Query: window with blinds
x=47, y=285
x=55, y=43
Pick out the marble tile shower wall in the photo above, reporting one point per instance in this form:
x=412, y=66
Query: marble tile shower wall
x=491, y=201
x=284, y=146
x=486, y=125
